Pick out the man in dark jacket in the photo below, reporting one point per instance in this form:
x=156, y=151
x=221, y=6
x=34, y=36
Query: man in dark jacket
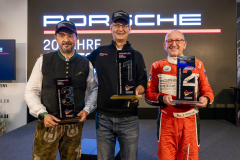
x=117, y=118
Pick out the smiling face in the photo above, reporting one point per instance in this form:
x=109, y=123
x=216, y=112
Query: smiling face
x=174, y=43
x=66, y=40
x=120, y=30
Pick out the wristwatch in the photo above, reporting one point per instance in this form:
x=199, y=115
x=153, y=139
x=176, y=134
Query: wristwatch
x=42, y=115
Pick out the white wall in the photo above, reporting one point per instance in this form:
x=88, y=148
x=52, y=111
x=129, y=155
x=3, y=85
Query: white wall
x=13, y=25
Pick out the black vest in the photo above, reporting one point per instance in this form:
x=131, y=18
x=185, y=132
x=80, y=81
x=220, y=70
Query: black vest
x=55, y=66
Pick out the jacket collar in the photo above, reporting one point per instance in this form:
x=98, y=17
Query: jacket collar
x=125, y=46
x=172, y=60
x=63, y=57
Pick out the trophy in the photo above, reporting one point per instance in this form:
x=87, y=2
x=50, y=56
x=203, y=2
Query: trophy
x=126, y=75
x=65, y=99
x=186, y=81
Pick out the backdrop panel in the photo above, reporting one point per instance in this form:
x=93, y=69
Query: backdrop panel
x=209, y=27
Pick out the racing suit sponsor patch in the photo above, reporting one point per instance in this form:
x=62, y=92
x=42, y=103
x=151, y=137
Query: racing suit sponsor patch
x=149, y=84
x=149, y=79
x=167, y=68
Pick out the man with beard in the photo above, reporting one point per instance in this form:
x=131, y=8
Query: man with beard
x=178, y=125
x=117, y=118
x=64, y=63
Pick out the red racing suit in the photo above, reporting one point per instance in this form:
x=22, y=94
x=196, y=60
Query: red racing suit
x=178, y=126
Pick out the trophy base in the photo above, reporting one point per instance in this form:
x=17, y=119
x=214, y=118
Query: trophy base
x=70, y=120
x=185, y=102
x=126, y=97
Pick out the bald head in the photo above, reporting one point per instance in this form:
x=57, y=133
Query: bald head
x=175, y=30
x=174, y=43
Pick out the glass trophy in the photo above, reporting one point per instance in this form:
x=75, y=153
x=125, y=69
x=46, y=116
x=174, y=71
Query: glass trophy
x=186, y=81
x=126, y=75
x=65, y=99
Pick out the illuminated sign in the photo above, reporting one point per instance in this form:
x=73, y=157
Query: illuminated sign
x=83, y=44
x=138, y=20
x=181, y=19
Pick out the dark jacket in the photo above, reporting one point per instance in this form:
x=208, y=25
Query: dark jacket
x=104, y=60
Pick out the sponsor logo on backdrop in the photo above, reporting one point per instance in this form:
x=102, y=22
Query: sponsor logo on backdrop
x=137, y=20
x=3, y=85
x=4, y=100
x=85, y=23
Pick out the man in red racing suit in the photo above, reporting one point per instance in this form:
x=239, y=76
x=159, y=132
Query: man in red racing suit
x=178, y=125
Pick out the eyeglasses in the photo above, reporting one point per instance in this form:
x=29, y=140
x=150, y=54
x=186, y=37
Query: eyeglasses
x=119, y=25
x=178, y=41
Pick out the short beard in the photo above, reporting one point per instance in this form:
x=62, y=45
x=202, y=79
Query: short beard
x=67, y=51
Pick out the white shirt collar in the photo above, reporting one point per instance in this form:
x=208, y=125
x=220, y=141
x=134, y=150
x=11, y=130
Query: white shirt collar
x=172, y=60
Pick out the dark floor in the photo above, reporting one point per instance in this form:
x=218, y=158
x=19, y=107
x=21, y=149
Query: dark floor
x=220, y=140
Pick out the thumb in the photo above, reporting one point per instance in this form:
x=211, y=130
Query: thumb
x=79, y=114
x=56, y=119
x=169, y=97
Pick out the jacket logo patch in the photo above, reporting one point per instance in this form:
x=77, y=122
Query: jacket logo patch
x=154, y=65
x=79, y=73
x=149, y=79
x=167, y=68
x=200, y=64
x=148, y=84
x=103, y=54
x=178, y=115
x=205, y=73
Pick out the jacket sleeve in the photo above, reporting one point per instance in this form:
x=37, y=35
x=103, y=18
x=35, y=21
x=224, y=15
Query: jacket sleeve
x=152, y=95
x=141, y=74
x=92, y=89
x=92, y=56
x=203, y=84
x=33, y=89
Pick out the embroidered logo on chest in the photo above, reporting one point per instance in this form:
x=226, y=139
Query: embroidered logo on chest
x=79, y=73
x=103, y=54
x=167, y=68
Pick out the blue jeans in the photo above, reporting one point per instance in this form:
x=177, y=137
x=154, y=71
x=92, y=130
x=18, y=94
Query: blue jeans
x=126, y=130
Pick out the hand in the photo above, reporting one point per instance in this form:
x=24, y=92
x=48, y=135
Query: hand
x=203, y=101
x=50, y=121
x=167, y=100
x=134, y=100
x=83, y=114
